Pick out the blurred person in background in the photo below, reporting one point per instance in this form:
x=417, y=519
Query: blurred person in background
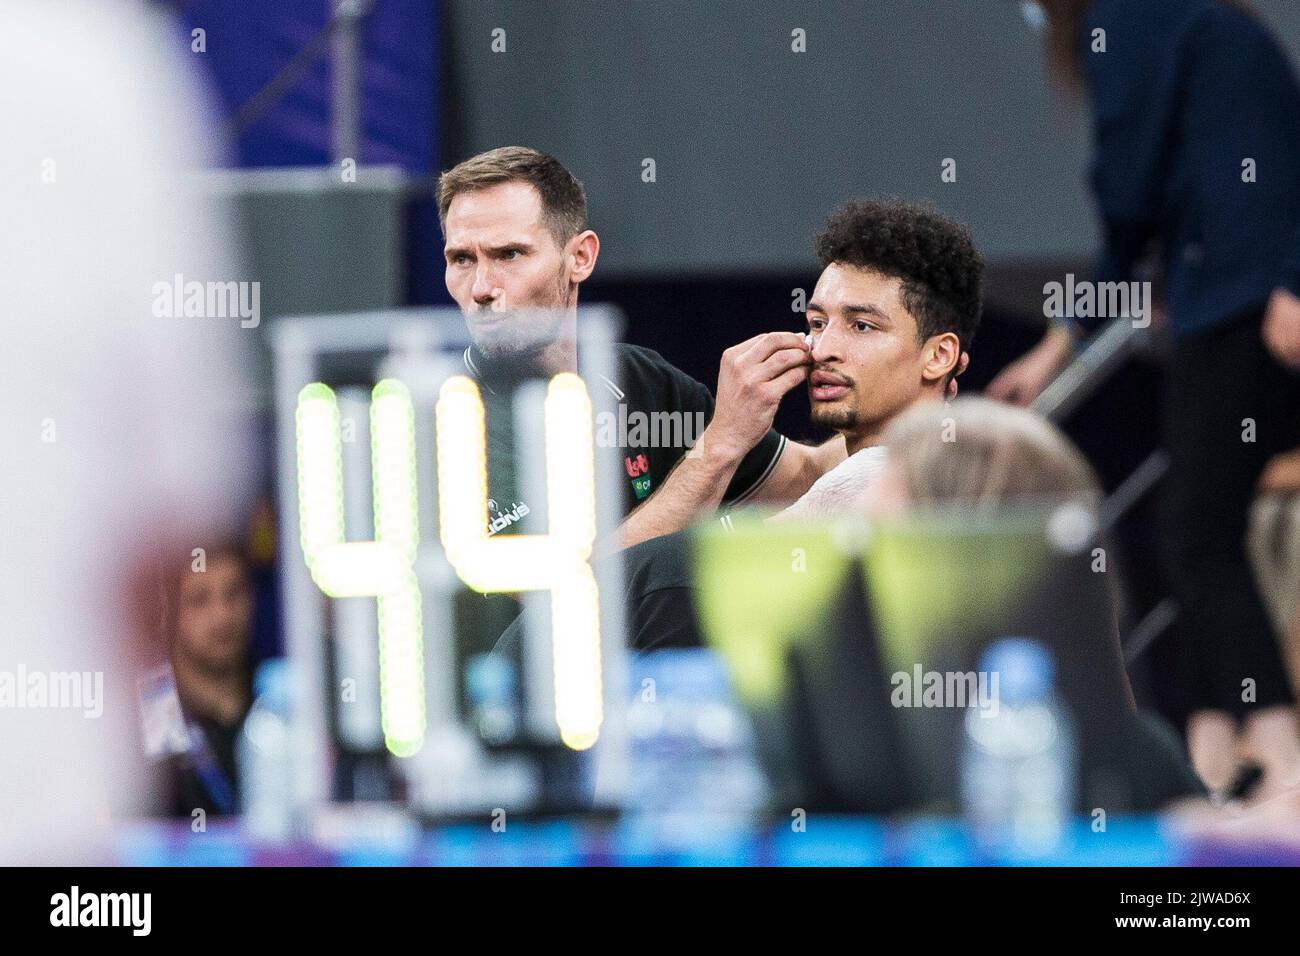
x=1196, y=132
x=211, y=611
x=1003, y=457
x=1275, y=550
x=124, y=430
x=992, y=457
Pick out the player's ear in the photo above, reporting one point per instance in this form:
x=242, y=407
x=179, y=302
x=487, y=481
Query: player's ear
x=583, y=248
x=941, y=353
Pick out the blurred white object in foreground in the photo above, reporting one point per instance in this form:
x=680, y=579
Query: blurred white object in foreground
x=118, y=426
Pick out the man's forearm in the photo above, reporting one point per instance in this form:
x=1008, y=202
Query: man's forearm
x=697, y=484
x=699, y=481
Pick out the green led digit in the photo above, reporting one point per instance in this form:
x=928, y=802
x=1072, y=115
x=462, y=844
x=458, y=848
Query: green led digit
x=383, y=568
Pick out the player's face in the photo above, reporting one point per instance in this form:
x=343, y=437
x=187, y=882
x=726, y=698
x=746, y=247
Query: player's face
x=214, y=614
x=501, y=258
x=867, y=360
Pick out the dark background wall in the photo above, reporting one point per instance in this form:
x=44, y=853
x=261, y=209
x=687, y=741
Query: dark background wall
x=754, y=144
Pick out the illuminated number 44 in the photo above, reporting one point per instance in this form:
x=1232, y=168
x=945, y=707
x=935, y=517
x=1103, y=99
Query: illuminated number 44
x=559, y=561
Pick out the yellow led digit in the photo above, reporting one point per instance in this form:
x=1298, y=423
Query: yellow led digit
x=558, y=561
x=397, y=526
x=383, y=568
x=320, y=470
x=575, y=606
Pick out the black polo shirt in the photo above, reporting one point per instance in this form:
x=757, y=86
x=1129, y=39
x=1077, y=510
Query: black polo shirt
x=653, y=413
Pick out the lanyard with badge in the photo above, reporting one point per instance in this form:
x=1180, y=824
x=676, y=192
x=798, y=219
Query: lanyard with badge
x=169, y=733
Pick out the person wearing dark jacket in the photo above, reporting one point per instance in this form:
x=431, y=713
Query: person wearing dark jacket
x=1196, y=139
x=212, y=621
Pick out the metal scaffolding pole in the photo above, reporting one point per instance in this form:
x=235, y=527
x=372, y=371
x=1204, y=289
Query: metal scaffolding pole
x=345, y=112
x=341, y=36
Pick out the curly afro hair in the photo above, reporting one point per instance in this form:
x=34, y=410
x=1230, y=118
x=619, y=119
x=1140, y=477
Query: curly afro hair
x=933, y=256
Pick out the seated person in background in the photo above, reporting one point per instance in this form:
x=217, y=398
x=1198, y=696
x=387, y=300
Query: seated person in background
x=1000, y=456
x=194, y=707
x=993, y=455
x=981, y=457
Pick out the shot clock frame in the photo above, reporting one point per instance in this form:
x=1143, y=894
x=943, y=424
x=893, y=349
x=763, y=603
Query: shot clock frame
x=373, y=556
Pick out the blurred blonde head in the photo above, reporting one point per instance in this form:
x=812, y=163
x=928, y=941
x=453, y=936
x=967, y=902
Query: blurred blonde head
x=125, y=432
x=981, y=455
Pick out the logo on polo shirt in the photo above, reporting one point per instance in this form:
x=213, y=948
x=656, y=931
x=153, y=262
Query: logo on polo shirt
x=500, y=519
x=638, y=470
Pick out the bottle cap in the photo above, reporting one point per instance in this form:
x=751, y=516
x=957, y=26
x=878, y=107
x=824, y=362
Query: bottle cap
x=1023, y=667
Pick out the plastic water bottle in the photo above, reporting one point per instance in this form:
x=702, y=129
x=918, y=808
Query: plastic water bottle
x=492, y=687
x=1019, y=779
x=693, y=756
x=265, y=767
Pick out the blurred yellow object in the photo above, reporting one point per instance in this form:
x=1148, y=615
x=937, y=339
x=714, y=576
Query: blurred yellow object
x=999, y=564
x=764, y=588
